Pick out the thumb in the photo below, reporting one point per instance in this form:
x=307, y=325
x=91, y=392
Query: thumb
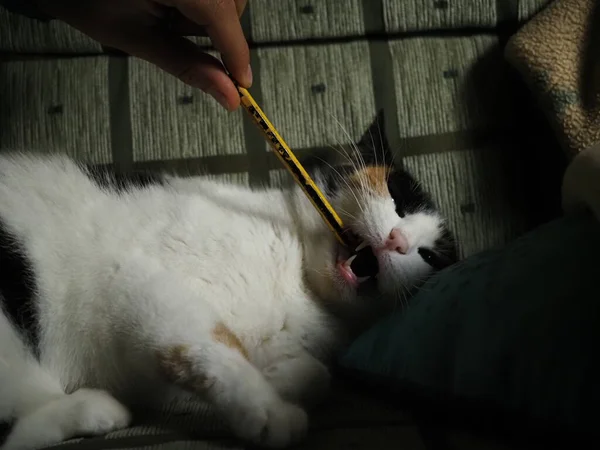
x=185, y=60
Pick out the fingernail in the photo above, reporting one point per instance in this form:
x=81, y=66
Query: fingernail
x=248, y=76
x=218, y=96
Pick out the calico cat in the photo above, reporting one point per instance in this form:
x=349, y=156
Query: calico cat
x=119, y=292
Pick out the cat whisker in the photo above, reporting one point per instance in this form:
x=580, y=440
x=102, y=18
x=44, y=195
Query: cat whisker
x=343, y=154
x=358, y=163
x=346, y=213
x=353, y=161
x=373, y=144
x=320, y=272
x=352, y=143
x=380, y=140
x=345, y=182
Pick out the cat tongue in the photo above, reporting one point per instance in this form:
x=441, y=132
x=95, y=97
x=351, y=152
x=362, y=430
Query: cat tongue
x=365, y=263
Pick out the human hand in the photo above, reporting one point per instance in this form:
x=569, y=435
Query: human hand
x=153, y=30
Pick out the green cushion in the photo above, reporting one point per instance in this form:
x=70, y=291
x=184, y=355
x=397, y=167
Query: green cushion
x=518, y=327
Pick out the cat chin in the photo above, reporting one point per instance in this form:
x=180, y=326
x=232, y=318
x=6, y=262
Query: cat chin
x=329, y=284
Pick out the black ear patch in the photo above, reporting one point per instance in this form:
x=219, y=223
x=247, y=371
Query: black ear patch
x=374, y=145
x=408, y=194
x=329, y=172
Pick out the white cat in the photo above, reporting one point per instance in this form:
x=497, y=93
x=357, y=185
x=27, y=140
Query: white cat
x=119, y=294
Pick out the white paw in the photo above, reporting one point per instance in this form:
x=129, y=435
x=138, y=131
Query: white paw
x=83, y=413
x=97, y=412
x=299, y=380
x=276, y=424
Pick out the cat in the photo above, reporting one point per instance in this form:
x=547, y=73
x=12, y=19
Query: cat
x=124, y=291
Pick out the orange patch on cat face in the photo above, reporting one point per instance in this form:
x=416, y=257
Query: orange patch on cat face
x=225, y=336
x=373, y=178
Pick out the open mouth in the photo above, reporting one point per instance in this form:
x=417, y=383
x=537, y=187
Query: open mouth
x=357, y=266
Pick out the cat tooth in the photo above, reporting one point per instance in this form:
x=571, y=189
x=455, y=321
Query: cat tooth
x=362, y=279
x=349, y=261
x=361, y=246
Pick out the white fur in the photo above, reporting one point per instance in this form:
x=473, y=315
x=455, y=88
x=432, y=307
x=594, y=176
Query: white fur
x=123, y=277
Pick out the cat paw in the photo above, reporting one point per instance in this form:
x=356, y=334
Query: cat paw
x=98, y=412
x=277, y=424
x=86, y=412
x=303, y=381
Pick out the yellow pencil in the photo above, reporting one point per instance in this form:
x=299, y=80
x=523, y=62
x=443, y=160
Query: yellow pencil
x=286, y=156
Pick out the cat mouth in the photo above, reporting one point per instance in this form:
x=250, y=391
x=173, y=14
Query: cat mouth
x=357, y=266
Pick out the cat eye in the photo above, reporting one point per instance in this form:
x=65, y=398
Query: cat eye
x=435, y=260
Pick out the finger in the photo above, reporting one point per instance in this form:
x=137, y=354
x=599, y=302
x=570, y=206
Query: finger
x=240, y=5
x=225, y=31
x=183, y=59
x=181, y=25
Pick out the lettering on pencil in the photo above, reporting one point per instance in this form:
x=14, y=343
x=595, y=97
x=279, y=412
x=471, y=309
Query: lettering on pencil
x=308, y=187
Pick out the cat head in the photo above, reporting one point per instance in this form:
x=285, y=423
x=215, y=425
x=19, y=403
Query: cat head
x=401, y=237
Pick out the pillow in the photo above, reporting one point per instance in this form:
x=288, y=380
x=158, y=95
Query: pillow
x=518, y=327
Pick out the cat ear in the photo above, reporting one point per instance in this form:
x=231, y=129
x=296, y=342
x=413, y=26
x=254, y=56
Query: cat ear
x=373, y=144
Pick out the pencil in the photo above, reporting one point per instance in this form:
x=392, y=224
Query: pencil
x=289, y=160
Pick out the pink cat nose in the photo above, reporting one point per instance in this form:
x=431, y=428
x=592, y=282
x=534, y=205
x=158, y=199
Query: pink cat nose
x=396, y=242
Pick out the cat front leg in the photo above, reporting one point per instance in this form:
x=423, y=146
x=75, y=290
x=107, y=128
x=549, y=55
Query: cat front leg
x=86, y=412
x=216, y=367
x=299, y=378
x=193, y=349
x=41, y=412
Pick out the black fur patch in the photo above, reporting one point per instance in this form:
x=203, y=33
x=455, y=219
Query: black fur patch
x=108, y=178
x=408, y=195
x=444, y=252
x=446, y=245
x=17, y=286
x=374, y=146
x=322, y=167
